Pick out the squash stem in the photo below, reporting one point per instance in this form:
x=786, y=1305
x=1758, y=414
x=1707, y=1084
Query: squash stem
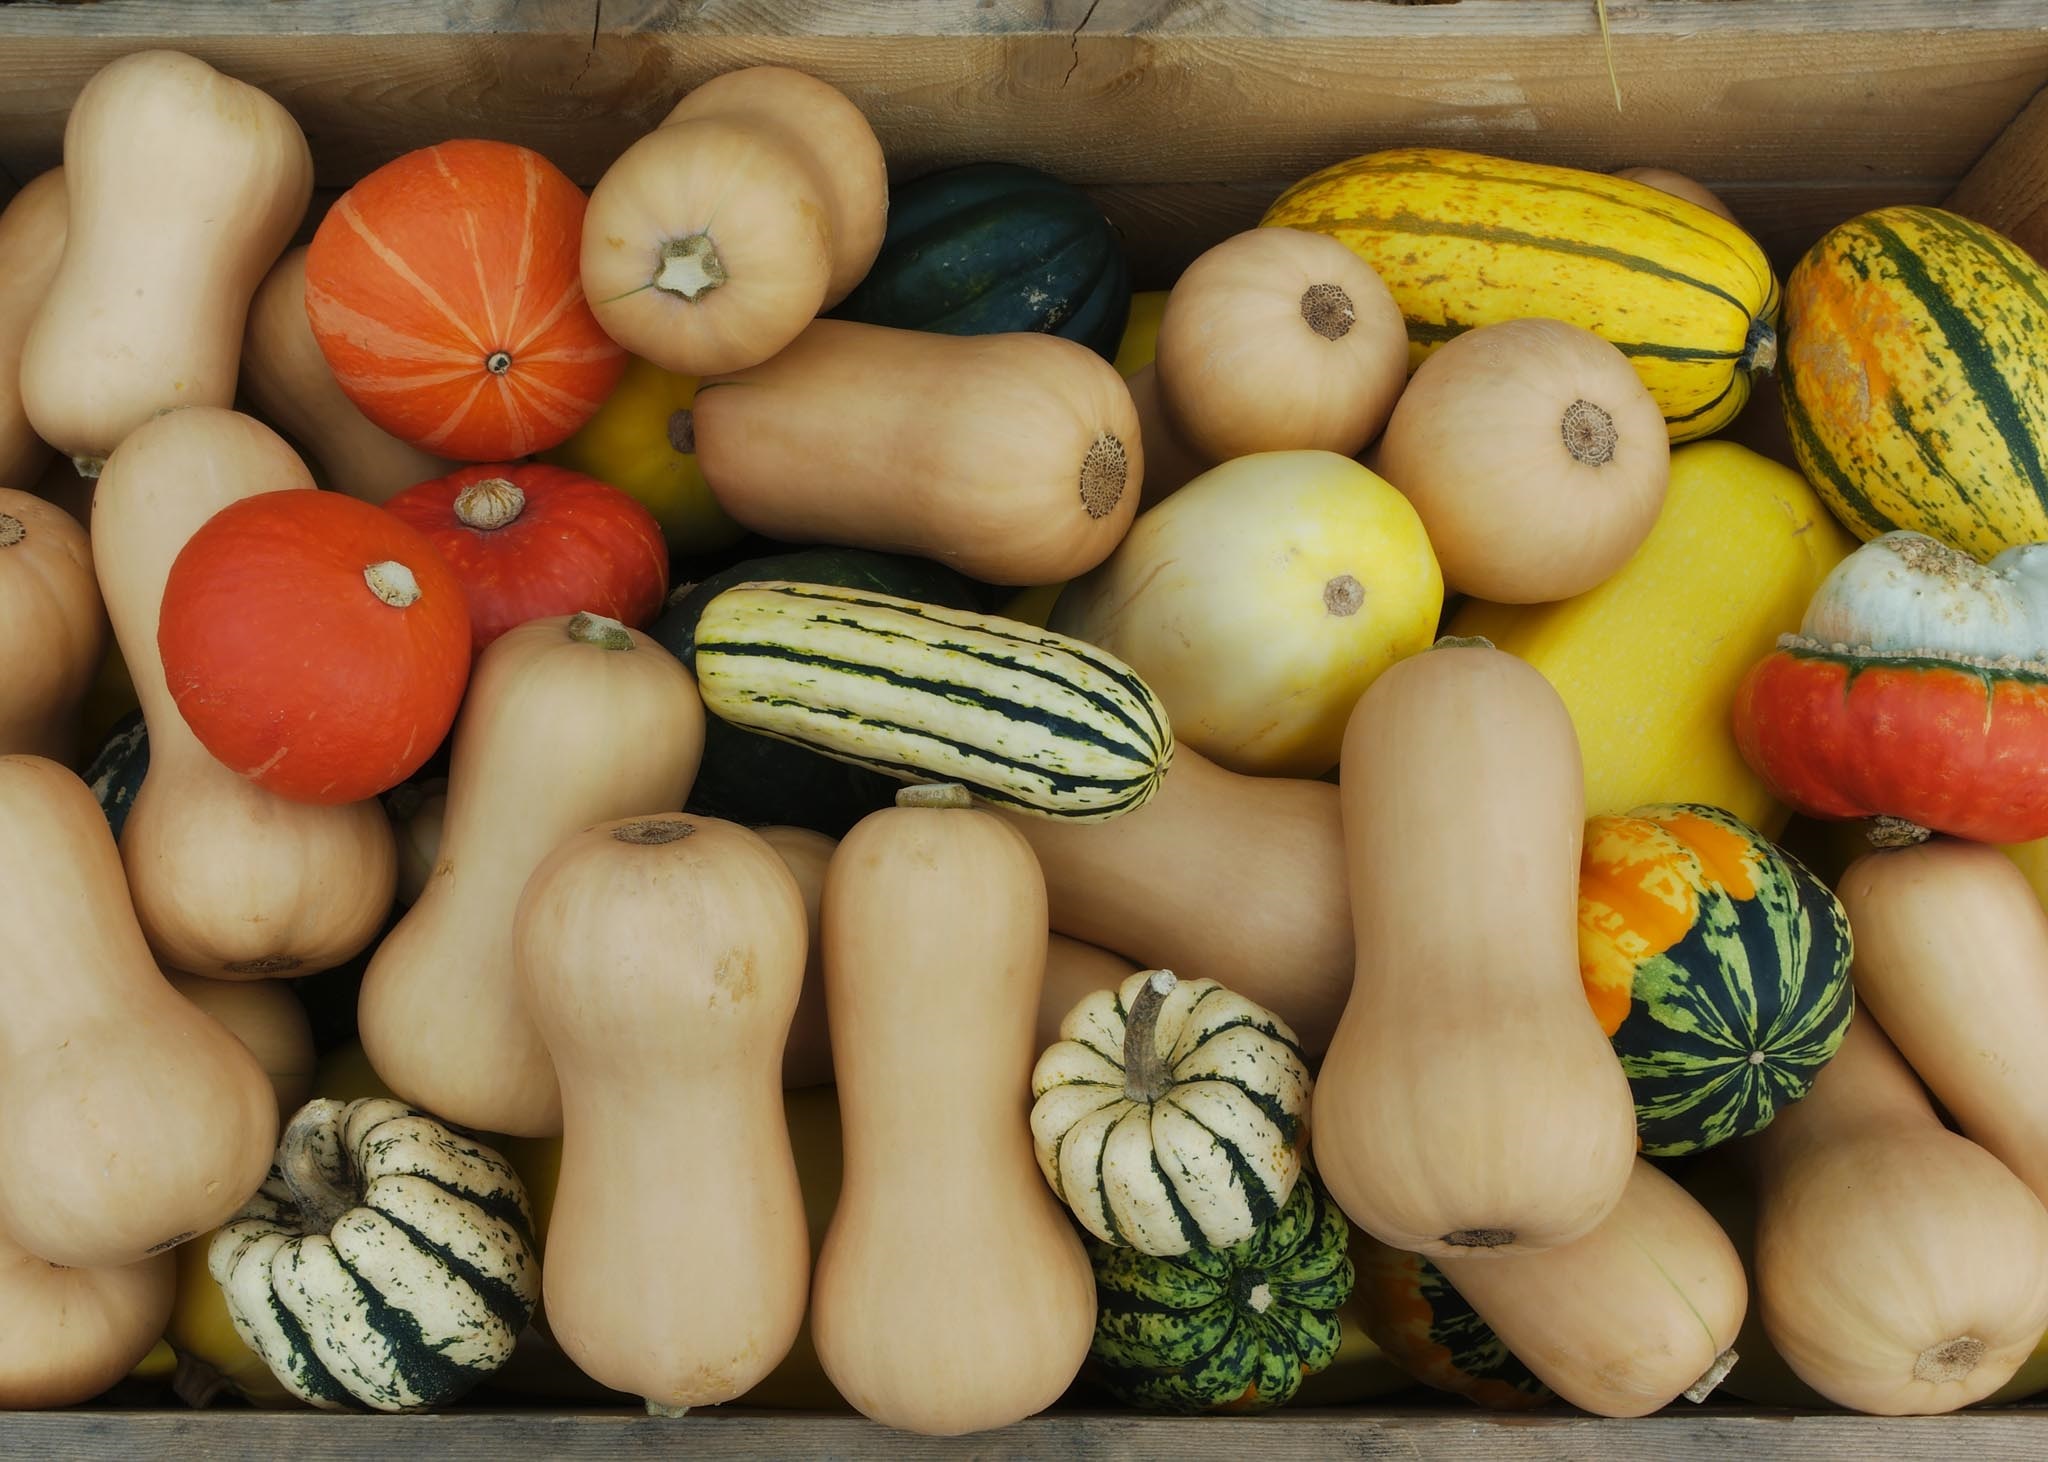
x=320, y=1202
x=1147, y=1077
x=935, y=794
x=594, y=629
x=690, y=267
x=12, y=530
x=1701, y=1389
x=490, y=504
x=655, y=1408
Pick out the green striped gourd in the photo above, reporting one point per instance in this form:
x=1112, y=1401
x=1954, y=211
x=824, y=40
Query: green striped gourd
x=387, y=1264
x=1912, y=379
x=1020, y=716
x=1229, y=1329
x=1464, y=240
x=1717, y=964
x=1168, y=1114
x=1423, y=1325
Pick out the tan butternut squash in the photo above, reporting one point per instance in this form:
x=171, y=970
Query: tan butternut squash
x=952, y=1294
x=183, y=187
x=1014, y=458
x=52, y=624
x=807, y=1055
x=72, y=1333
x=267, y=1017
x=134, y=1121
x=1678, y=185
x=1900, y=1268
x=1469, y=1102
x=289, y=381
x=1170, y=462
x=229, y=881
x=664, y=957
x=1074, y=969
x=568, y=721
x=1218, y=877
x=1643, y=1309
x=31, y=243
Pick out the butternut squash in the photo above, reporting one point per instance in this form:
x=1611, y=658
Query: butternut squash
x=664, y=957
x=1952, y=953
x=1013, y=458
x=807, y=1056
x=134, y=1121
x=289, y=381
x=1218, y=877
x=1901, y=1270
x=31, y=243
x=799, y=1383
x=952, y=1294
x=1170, y=462
x=569, y=721
x=52, y=623
x=229, y=881
x=183, y=187
x=1678, y=185
x=1469, y=1101
x=267, y=1017
x=1643, y=1309
x=72, y=1333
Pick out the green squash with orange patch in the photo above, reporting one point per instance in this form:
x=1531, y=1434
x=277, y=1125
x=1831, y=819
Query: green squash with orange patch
x=1718, y=966
x=1425, y=1327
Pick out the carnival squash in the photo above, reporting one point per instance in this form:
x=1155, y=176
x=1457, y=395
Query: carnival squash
x=183, y=187
x=807, y=1054
x=229, y=880
x=265, y=1016
x=1424, y=1326
x=1074, y=969
x=1219, y=877
x=72, y=1333
x=134, y=1120
x=1535, y=457
x=1469, y=1101
x=289, y=381
x=1013, y=458
x=663, y=958
x=1280, y=304
x=570, y=721
x=952, y=1295
x=31, y=243
x=1901, y=1269
x=1261, y=601
x=1648, y=663
x=52, y=621
x=1640, y=1311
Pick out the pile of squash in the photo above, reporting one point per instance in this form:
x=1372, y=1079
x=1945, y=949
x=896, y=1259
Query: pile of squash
x=754, y=787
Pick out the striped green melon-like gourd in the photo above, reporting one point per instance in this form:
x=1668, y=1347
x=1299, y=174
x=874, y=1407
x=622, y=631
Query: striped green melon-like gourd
x=386, y=1264
x=1717, y=964
x=1423, y=1325
x=1020, y=716
x=1464, y=240
x=1912, y=379
x=1232, y=1329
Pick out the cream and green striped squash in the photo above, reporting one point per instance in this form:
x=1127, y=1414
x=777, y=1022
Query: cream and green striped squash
x=1169, y=1114
x=387, y=1264
x=1912, y=379
x=1224, y=1329
x=1021, y=717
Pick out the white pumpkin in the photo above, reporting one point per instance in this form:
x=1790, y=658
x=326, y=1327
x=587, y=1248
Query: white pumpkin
x=1168, y=1114
x=387, y=1263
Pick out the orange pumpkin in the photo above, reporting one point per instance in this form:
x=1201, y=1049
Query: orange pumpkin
x=446, y=292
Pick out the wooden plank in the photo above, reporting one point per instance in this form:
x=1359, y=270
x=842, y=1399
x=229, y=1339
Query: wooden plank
x=1414, y=1436
x=1106, y=91
x=2008, y=188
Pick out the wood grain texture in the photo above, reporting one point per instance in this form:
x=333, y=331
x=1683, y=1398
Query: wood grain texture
x=1312, y=1436
x=2008, y=188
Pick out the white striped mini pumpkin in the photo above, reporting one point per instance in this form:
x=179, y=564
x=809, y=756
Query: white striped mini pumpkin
x=387, y=1263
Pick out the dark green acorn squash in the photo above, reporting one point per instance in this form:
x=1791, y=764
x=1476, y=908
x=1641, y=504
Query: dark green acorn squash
x=118, y=768
x=758, y=780
x=1231, y=1329
x=991, y=248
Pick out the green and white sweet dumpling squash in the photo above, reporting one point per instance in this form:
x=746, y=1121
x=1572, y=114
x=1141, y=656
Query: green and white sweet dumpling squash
x=1717, y=964
x=386, y=1264
x=1169, y=1114
x=1224, y=1329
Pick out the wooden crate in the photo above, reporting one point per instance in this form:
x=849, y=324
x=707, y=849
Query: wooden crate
x=1184, y=118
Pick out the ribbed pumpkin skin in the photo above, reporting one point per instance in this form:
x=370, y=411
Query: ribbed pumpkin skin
x=993, y=247
x=1718, y=966
x=446, y=292
x=1912, y=381
x=1464, y=240
x=1190, y=1333
x=1425, y=1327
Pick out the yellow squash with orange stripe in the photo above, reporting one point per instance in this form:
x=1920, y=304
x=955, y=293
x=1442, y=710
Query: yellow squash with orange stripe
x=1465, y=240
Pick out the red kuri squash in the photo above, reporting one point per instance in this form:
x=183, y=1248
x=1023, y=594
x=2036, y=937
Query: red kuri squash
x=446, y=292
x=315, y=644
x=530, y=542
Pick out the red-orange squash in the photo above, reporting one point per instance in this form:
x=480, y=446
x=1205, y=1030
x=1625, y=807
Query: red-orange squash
x=445, y=292
x=531, y=542
x=315, y=644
